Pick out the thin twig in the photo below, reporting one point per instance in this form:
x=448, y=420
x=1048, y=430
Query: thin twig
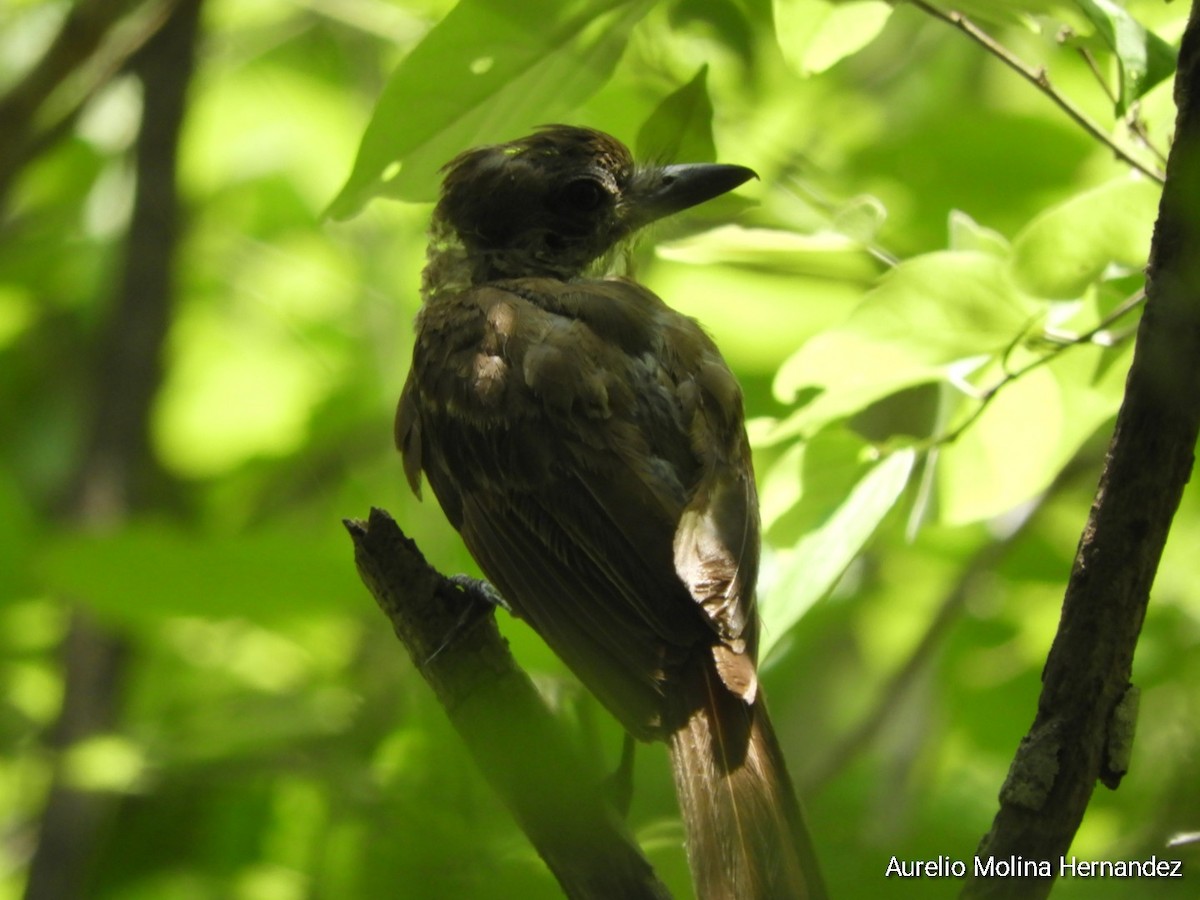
x=1039, y=79
x=1092, y=65
x=1060, y=345
x=1137, y=128
x=1133, y=122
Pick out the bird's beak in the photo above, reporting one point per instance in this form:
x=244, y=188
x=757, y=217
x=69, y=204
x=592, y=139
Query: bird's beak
x=674, y=188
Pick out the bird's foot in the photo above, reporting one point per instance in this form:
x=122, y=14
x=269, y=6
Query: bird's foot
x=479, y=590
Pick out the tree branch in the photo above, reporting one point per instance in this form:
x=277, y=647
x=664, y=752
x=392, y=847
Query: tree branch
x=1150, y=458
x=33, y=114
x=1039, y=79
x=452, y=638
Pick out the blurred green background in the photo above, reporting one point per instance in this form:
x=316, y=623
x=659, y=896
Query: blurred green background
x=200, y=356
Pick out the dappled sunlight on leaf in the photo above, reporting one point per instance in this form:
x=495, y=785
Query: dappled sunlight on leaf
x=835, y=508
x=1069, y=246
x=925, y=314
x=816, y=34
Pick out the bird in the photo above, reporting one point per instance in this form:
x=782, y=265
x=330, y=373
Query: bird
x=588, y=443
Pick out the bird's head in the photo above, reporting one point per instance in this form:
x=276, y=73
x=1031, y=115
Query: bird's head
x=557, y=201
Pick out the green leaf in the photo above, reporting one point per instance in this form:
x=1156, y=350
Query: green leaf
x=1069, y=246
x=826, y=255
x=1029, y=432
x=925, y=314
x=967, y=234
x=844, y=499
x=860, y=218
x=1006, y=456
x=680, y=128
x=1144, y=58
x=490, y=71
x=816, y=34
x=726, y=21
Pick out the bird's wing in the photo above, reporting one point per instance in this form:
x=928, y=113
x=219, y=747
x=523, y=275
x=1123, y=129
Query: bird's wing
x=587, y=441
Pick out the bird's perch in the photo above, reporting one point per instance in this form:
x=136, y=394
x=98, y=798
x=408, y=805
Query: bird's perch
x=451, y=635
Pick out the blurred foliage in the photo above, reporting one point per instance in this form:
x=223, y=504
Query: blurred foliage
x=929, y=233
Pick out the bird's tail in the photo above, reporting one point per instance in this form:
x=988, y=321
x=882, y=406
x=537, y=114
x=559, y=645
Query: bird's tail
x=746, y=837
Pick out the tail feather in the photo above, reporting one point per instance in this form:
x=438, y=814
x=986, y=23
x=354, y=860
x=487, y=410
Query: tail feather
x=746, y=837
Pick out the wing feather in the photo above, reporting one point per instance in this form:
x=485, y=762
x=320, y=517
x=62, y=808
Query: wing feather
x=587, y=442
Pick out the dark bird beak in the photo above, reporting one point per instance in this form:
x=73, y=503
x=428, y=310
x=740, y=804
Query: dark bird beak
x=672, y=189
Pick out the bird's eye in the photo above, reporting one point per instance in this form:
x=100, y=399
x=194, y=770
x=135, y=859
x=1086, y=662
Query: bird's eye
x=582, y=195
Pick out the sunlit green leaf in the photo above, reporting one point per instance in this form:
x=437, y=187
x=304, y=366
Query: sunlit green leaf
x=758, y=313
x=967, y=234
x=839, y=500
x=1069, y=246
x=680, y=128
x=1144, y=58
x=927, y=313
x=1007, y=455
x=1028, y=434
x=828, y=255
x=816, y=34
x=490, y=71
x=860, y=218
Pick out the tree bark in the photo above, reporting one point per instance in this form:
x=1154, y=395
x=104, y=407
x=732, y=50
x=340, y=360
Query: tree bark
x=80, y=45
x=451, y=635
x=1083, y=724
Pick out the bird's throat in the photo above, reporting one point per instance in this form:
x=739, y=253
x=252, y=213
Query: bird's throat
x=452, y=267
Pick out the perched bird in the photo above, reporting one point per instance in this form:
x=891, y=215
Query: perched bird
x=588, y=443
